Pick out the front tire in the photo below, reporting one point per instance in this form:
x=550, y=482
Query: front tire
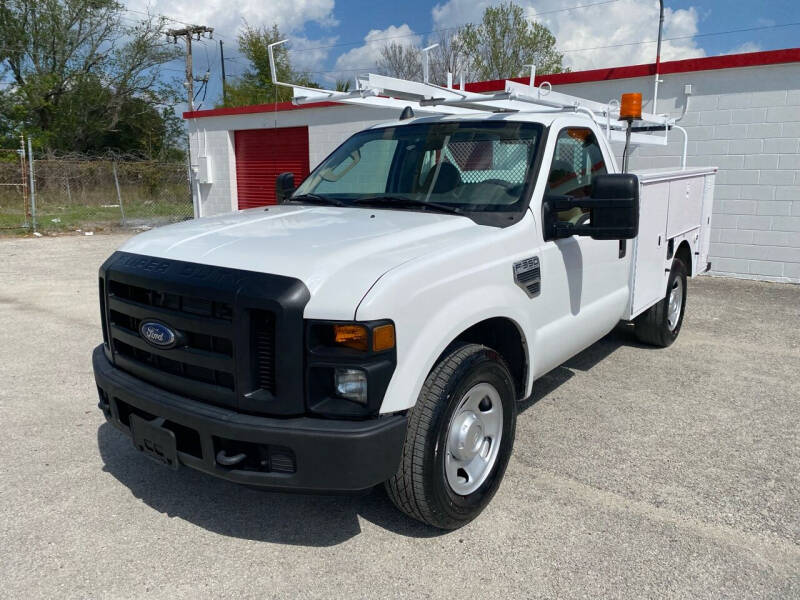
x=459, y=439
x=660, y=324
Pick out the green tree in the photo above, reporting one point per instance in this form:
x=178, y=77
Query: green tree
x=255, y=85
x=505, y=41
x=82, y=80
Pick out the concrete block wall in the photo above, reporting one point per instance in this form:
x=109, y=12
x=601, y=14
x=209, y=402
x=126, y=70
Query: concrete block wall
x=746, y=121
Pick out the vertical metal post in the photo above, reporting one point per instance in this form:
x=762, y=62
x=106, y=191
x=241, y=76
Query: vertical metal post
x=627, y=149
x=32, y=184
x=426, y=65
x=119, y=196
x=532, y=79
x=658, y=56
x=69, y=192
x=222, y=62
x=24, y=178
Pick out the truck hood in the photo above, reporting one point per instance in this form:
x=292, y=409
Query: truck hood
x=338, y=253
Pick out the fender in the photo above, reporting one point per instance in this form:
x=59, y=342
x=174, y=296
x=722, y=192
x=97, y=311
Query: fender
x=434, y=300
x=417, y=354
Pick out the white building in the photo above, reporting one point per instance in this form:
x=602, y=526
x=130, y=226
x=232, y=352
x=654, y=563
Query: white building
x=743, y=116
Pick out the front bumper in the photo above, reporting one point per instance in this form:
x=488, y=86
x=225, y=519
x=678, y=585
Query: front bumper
x=299, y=454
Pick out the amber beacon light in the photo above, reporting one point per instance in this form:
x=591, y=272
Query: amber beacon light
x=630, y=107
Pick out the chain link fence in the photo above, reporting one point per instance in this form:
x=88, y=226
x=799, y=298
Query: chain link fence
x=77, y=193
x=14, y=208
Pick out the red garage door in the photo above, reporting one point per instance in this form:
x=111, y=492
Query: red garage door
x=261, y=155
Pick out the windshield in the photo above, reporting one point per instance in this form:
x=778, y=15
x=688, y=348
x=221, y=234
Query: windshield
x=452, y=166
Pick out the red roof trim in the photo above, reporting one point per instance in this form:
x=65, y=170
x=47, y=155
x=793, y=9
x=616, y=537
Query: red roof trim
x=254, y=108
x=709, y=63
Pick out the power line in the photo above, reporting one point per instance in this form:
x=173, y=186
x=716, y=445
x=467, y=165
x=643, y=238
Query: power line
x=565, y=51
x=441, y=30
x=641, y=42
x=685, y=37
x=163, y=16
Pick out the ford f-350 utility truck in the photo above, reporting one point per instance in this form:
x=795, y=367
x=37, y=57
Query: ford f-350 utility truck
x=382, y=322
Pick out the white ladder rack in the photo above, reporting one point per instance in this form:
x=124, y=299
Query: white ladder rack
x=390, y=92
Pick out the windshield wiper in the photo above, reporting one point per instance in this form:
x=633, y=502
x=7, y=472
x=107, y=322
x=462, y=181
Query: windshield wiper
x=316, y=199
x=403, y=202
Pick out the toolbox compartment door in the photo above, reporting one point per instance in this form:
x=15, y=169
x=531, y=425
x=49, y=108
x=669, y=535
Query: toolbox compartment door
x=673, y=204
x=650, y=249
x=705, y=224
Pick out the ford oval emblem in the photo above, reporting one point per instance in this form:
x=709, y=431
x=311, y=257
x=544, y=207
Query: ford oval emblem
x=158, y=334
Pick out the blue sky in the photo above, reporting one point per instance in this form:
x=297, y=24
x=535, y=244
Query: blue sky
x=338, y=38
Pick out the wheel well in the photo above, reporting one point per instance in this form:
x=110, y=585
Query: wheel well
x=503, y=335
x=684, y=252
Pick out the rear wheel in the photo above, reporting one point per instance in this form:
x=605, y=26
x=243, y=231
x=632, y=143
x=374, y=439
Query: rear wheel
x=660, y=324
x=459, y=439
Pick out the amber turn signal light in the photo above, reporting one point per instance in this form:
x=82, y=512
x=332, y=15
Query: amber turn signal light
x=383, y=338
x=630, y=107
x=351, y=336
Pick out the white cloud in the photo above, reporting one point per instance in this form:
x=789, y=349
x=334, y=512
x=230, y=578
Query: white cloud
x=458, y=12
x=610, y=24
x=746, y=47
x=227, y=17
x=307, y=55
x=364, y=58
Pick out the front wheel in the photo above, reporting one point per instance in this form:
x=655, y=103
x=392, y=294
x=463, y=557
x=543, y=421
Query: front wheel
x=459, y=439
x=660, y=324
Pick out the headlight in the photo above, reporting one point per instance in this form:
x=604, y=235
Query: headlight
x=351, y=384
x=348, y=366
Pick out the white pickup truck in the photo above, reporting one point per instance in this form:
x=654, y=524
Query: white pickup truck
x=380, y=325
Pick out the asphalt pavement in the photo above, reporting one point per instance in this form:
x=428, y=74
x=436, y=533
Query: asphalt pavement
x=637, y=472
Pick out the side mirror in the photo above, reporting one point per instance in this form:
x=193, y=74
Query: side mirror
x=613, y=210
x=284, y=187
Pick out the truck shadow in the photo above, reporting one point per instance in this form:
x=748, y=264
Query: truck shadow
x=243, y=512
x=622, y=335
x=296, y=519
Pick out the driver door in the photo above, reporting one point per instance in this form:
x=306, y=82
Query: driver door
x=589, y=277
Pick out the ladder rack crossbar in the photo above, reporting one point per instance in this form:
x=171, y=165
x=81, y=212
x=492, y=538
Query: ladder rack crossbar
x=390, y=92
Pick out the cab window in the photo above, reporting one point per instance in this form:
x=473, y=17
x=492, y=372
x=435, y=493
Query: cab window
x=577, y=160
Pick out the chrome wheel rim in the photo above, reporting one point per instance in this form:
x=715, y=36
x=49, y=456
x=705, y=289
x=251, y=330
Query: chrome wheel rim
x=674, y=304
x=473, y=438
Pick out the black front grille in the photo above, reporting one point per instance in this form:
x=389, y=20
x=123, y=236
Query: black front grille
x=239, y=334
x=200, y=366
x=264, y=349
x=175, y=367
x=190, y=305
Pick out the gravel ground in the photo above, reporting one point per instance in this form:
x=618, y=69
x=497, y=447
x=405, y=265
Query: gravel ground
x=637, y=472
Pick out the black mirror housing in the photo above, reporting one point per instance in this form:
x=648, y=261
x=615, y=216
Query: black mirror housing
x=613, y=208
x=284, y=187
x=616, y=212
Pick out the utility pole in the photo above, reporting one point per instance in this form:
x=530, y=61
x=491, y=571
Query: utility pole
x=658, y=55
x=222, y=61
x=187, y=33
